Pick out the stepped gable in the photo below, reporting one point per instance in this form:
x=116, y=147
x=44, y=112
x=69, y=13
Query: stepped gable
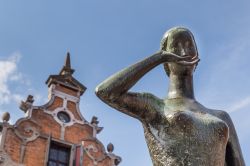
x=55, y=133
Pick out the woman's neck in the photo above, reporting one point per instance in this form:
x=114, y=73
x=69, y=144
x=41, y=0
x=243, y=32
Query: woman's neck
x=180, y=86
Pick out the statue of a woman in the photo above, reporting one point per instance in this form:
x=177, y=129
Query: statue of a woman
x=179, y=131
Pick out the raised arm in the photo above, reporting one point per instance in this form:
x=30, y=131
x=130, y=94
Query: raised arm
x=114, y=90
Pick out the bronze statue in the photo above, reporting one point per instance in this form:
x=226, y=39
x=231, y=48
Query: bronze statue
x=179, y=131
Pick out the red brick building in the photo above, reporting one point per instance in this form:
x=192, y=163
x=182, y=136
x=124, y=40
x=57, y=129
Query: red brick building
x=54, y=134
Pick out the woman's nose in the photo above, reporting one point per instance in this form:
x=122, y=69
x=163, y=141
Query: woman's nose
x=183, y=52
x=182, y=49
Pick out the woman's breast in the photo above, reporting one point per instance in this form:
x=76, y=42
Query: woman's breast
x=195, y=125
x=190, y=135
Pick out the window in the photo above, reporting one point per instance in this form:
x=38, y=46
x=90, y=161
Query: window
x=63, y=116
x=58, y=155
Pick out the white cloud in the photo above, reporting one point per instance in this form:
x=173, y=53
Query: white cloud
x=9, y=73
x=226, y=77
x=227, y=84
x=14, y=86
x=240, y=104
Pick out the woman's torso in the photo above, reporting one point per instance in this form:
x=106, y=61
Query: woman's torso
x=186, y=133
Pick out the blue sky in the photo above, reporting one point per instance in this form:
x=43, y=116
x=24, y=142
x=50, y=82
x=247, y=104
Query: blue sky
x=106, y=36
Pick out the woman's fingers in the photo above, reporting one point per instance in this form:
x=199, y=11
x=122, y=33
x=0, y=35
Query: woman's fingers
x=183, y=58
x=195, y=57
x=171, y=57
x=188, y=63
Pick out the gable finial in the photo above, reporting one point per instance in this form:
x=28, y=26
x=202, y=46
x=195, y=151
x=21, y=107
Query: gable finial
x=67, y=61
x=65, y=78
x=67, y=70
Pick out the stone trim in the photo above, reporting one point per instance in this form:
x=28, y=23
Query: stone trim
x=47, y=150
x=62, y=109
x=92, y=148
x=72, y=155
x=65, y=97
x=5, y=126
x=68, y=97
x=34, y=136
x=5, y=159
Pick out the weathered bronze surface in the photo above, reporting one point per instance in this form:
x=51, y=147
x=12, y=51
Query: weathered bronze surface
x=179, y=130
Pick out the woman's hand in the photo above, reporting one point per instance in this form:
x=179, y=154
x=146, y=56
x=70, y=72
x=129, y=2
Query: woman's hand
x=193, y=62
x=184, y=60
x=171, y=57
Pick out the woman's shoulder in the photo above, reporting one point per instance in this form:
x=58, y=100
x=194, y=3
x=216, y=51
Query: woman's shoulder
x=223, y=115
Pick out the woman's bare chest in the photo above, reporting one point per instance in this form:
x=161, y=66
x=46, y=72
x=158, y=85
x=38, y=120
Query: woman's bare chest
x=189, y=125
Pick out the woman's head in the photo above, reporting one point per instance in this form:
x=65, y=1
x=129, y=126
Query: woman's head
x=179, y=41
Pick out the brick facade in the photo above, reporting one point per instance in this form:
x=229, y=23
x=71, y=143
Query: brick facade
x=59, y=124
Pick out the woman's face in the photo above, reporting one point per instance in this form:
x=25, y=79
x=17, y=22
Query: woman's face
x=181, y=42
